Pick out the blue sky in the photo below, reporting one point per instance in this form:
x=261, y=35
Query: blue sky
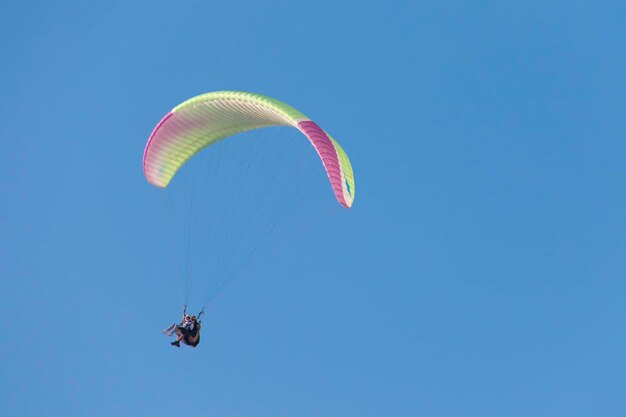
x=479, y=273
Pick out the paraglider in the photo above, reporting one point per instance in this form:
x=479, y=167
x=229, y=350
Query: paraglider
x=187, y=331
x=201, y=122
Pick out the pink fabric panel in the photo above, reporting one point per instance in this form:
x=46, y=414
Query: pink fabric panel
x=148, y=170
x=324, y=147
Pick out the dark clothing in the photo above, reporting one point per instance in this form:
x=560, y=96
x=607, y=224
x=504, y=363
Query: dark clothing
x=192, y=335
x=192, y=330
x=192, y=341
x=183, y=329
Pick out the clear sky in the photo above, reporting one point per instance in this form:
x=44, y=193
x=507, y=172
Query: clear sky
x=481, y=271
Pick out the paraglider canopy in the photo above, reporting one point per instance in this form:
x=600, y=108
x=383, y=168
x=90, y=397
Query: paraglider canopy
x=208, y=118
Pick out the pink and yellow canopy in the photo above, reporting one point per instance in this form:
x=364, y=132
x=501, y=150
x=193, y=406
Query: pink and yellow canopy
x=204, y=120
